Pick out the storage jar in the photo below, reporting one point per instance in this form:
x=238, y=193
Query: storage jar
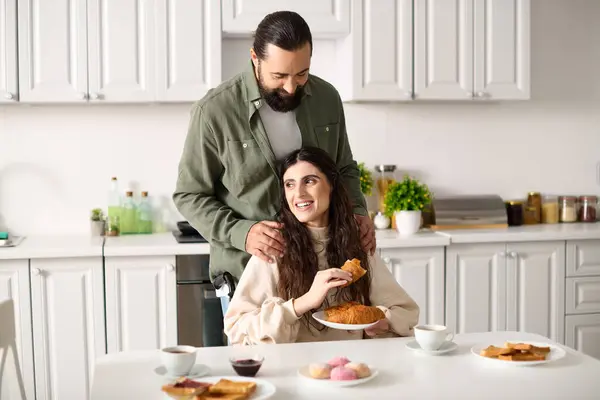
x=550, y=210
x=568, y=210
x=534, y=200
x=514, y=212
x=587, y=208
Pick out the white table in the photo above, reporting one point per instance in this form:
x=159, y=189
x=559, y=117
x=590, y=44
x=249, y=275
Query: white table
x=404, y=374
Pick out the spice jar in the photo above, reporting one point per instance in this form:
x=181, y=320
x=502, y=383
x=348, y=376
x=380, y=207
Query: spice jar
x=514, y=212
x=530, y=215
x=534, y=200
x=567, y=211
x=587, y=208
x=550, y=210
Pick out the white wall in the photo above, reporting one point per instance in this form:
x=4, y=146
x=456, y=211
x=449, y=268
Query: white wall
x=56, y=161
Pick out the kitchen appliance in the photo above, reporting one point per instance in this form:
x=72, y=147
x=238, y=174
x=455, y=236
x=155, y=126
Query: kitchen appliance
x=187, y=234
x=199, y=314
x=469, y=212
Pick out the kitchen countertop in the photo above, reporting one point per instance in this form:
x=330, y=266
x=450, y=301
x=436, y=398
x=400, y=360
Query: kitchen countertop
x=403, y=374
x=50, y=246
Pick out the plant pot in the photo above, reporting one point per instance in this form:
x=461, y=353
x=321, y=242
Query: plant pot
x=407, y=222
x=97, y=228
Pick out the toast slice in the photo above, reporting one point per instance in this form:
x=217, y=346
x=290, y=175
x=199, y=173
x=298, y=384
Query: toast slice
x=225, y=386
x=215, y=396
x=527, y=347
x=493, y=351
x=353, y=266
x=522, y=357
x=184, y=387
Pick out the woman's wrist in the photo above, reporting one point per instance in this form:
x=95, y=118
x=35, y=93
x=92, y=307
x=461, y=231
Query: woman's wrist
x=302, y=305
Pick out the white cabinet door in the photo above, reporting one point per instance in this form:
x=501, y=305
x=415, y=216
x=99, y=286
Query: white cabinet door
x=443, y=49
x=122, y=63
x=583, y=333
x=583, y=258
x=16, y=342
x=536, y=288
x=67, y=300
x=375, y=60
x=9, y=89
x=476, y=288
x=502, y=48
x=141, y=309
x=52, y=51
x=188, y=49
x=326, y=18
x=420, y=271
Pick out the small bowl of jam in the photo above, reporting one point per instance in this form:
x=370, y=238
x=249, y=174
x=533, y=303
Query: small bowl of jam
x=247, y=366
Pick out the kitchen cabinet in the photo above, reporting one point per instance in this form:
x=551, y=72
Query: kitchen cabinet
x=67, y=302
x=499, y=286
x=16, y=340
x=439, y=50
x=326, y=18
x=141, y=296
x=420, y=271
x=8, y=51
x=583, y=333
x=188, y=48
x=128, y=51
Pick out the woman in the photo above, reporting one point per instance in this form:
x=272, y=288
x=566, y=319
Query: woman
x=273, y=302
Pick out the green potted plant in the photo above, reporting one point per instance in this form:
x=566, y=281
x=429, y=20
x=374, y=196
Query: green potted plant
x=97, y=222
x=404, y=201
x=366, y=180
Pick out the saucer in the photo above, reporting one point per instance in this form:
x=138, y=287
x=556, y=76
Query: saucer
x=197, y=371
x=447, y=347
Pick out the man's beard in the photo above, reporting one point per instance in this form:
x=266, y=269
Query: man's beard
x=278, y=99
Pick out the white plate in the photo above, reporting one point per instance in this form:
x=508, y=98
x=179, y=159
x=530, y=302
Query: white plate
x=264, y=389
x=197, y=371
x=446, y=348
x=320, y=316
x=303, y=372
x=556, y=353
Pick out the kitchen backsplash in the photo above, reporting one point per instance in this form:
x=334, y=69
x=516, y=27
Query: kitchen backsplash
x=56, y=161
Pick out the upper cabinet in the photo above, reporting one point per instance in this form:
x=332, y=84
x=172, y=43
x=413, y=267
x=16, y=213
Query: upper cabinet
x=326, y=18
x=118, y=50
x=436, y=50
x=8, y=51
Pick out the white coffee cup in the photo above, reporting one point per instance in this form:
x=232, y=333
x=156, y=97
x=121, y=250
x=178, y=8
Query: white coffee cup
x=432, y=337
x=178, y=360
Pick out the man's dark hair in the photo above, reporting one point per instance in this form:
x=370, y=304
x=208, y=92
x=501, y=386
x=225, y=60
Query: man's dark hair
x=284, y=29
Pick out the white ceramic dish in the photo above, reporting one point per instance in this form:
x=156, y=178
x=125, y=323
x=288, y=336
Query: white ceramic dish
x=264, y=390
x=197, y=371
x=447, y=347
x=320, y=316
x=556, y=353
x=303, y=372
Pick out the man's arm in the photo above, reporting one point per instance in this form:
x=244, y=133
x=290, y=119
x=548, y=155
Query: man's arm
x=199, y=168
x=348, y=167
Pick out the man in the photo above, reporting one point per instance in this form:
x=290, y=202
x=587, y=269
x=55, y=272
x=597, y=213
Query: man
x=227, y=186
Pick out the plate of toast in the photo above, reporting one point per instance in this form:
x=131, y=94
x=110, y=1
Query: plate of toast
x=350, y=315
x=220, y=387
x=520, y=353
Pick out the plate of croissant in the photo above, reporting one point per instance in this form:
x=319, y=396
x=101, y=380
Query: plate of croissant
x=350, y=315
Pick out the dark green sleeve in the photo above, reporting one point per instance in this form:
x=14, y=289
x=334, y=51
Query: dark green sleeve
x=199, y=168
x=348, y=166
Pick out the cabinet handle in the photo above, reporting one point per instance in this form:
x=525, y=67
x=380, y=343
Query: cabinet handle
x=502, y=254
x=170, y=267
x=94, y=96
x=387, y=260
x=9, y=96
x=82, y=96
x=410, y=95
x=480, y=94
x=513, y=254
x=35, y=271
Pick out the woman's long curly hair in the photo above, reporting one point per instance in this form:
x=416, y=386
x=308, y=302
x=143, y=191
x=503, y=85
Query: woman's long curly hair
x=299, y=265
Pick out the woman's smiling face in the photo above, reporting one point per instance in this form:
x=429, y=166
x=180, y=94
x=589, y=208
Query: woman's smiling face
x=307, y=192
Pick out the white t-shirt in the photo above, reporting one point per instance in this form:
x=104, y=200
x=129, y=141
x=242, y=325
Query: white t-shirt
x=282, y=130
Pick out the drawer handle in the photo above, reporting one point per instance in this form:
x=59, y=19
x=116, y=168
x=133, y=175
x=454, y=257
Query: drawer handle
x=170, y=267
x=36, y=271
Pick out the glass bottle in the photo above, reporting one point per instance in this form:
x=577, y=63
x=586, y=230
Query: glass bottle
x=550, y=210
x=568, y=210
x=534, y=202
x=145, y=214
x=129, y=215
x=514, y=212
x=114, y=199
x=384, y=180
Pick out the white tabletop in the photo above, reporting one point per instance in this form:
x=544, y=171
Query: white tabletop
x=403, y=373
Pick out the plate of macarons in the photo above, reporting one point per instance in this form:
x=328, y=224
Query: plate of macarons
x=338, y=372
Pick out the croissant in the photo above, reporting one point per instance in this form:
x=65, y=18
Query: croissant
x=353, y=266
x=353, y=313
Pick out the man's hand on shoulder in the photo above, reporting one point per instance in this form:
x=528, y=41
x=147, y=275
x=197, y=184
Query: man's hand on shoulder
x=265, y=241
x=367, y=233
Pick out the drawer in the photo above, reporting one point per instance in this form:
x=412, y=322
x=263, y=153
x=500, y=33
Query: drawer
x=583, y=295
x=583, y=258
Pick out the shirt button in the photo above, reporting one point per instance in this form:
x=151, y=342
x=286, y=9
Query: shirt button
x=257, y=103
x=245, y=145
x=327, y=129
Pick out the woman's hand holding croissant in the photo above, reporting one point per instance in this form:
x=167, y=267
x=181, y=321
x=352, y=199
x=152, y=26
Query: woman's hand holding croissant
x=381, y=326
x=324, y=281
